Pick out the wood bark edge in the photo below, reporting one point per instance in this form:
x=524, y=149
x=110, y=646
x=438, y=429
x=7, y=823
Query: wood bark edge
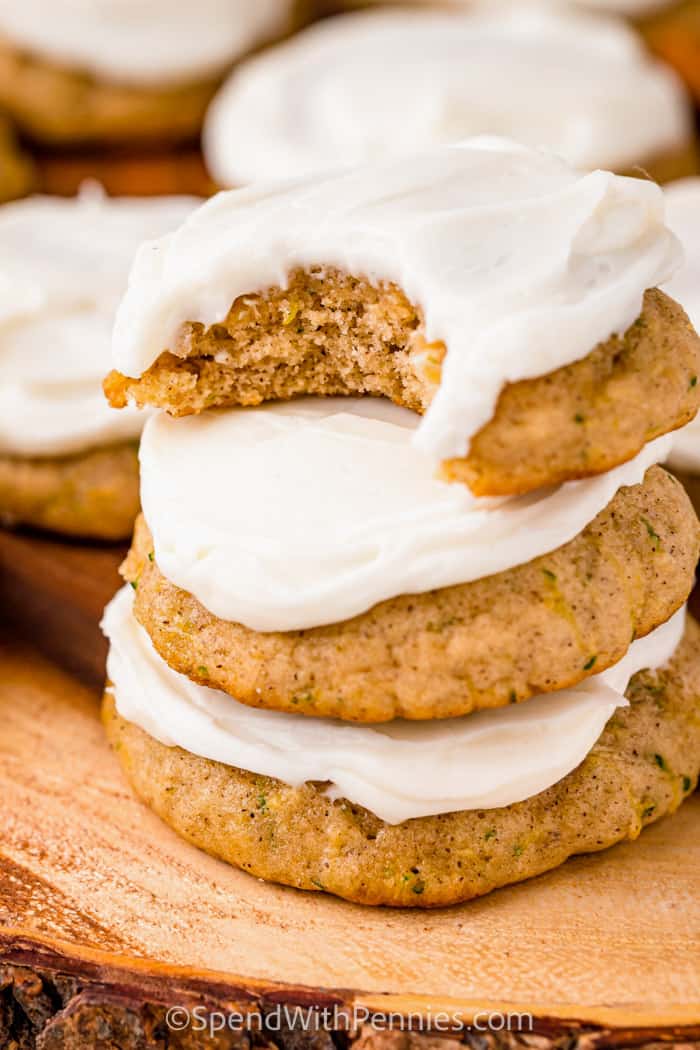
x=51, y=999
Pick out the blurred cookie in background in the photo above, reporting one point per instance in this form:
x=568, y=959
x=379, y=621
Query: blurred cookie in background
x=68, y=462
x=673, y=32
x=17, y=175
x=683, y=216
x=375, y=84
x=671, y=28
x=114, y=71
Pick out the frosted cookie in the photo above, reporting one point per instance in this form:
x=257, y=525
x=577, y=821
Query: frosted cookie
x=303, y=558
x=388, y=83
x=485, y=286
x=409, y=815
x=84, y=72
x=92, y=494
x=67, y=461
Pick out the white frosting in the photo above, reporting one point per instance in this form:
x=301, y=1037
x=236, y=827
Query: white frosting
x=519, y=264
x=309, y=512
x=64, y=268
x=683, y=213
x=399, y=769
x=341, y=92
x=143, y=42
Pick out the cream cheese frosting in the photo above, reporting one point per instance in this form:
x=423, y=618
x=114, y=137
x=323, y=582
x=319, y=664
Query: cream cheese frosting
x=340, y=93
x=398, y=770
x=683, y=214
x=143, y=42
x=309, y=512
x=519, y=264
x=64, y=268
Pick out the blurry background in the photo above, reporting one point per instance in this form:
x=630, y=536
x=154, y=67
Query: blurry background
x=117, y=90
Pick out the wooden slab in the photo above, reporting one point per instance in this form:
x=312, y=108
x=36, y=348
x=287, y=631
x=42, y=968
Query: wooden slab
x=53, y=592
x=93, y=885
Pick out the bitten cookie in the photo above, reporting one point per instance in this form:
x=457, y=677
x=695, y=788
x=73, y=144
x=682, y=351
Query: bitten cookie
x=534, y=359
x=331, y=334
x=89, y=494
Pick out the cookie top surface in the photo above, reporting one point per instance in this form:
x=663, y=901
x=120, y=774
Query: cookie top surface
x=519, y=264
x=388, y=83
x=65, y=267
x=305, y=513
x=399, y=770
x=683, y=216
x=144, y=42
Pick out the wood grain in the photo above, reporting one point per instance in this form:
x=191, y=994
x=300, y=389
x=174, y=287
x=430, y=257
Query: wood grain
x=53, y=592
x=94, y=888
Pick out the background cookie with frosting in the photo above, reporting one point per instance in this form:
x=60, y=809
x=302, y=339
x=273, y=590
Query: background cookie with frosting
x=67, y=463
x=579, y=85
x=267, y=797
x=75, y=71
x=422, y=284
x=671, y=28
x=683, y=213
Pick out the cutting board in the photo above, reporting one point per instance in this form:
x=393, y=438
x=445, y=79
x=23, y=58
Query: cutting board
x=107, y=918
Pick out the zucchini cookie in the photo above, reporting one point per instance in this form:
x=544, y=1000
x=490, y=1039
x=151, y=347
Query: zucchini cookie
x=181, y=746
x=683, y=211
x=335, y=664
x=83, y=73
x=67, y=461
x=337, y=94
x=534, y=357
x=501, y=638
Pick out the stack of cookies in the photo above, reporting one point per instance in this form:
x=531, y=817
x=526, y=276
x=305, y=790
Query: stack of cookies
x=404, y=617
